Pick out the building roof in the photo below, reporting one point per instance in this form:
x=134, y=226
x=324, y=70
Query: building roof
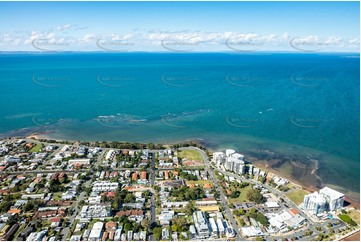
x=272, y=204
x=207, y=186
x=293, y=211
x=333, y=194
x=14, y=211
x=56, y=220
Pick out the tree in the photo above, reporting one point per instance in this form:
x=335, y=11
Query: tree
x=255, y=196
x=189, y=209
x=129, y=198
x=5, y=206
x=235, y=194
x=242, y=211
x=253, y=213
x=145, y=223
x=308, y=233
x=127, y=226
x=174, y=228
x=157, y=232
x=241, y=222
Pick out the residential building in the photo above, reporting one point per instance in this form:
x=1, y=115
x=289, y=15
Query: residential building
x=96, y=232
x=221, y=228
x=79, y=161
x=214, y=228
x=334, y=199
x=314, y=203
x=201, y=224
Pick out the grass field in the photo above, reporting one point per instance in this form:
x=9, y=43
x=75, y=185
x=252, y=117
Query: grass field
x=56, y=196
x=36, y=148
x=242, y=197
x=190, y=155
x=200, y=182
x=297, y=196
x=355, y=215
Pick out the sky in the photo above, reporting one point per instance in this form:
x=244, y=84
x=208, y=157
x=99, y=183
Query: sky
x=180, y=26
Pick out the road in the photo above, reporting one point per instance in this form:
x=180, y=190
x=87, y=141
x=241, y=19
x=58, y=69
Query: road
x=151, y=171
x=66, y=230
x=291, y=204
x=208, y=168
x=224, y=201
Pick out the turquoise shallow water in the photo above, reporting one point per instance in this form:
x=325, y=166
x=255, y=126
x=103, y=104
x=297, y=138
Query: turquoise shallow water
x=279, y=101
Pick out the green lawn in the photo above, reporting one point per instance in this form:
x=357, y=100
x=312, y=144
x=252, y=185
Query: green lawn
x=57, y=196
x=190, y=155
x=36, y=148
x=243, y=196
x=297, y=196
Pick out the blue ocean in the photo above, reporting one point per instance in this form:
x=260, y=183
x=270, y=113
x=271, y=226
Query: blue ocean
x=304, y=104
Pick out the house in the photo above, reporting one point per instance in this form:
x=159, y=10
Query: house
x=37, y=236
x=130, y=235
x=134, y=176
x=143, y=175
x=55, y=222
x=96, y=232
x=79, y=161
x=111, y=226
x=105, y=236
x=128, y=213
x=165, y=234
x=165, y=217
x=10, y=233
x=75, y=238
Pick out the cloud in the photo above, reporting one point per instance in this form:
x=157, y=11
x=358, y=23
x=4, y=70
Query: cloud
x=154, y=39
x=63, y=27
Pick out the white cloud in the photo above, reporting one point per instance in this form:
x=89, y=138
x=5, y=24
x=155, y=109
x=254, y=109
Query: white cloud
x=152, y=39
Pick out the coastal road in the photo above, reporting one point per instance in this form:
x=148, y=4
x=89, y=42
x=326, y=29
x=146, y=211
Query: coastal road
x=224, y=201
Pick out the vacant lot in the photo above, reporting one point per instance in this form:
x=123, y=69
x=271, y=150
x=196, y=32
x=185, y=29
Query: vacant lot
x=297, y=196
x=36, y=148
x=190, y=155
x=200, y=182
x=243, y=196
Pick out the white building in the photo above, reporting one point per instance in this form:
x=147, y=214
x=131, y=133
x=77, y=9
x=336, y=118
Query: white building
x=334, y=199
x=96, y=232
x=314, y=203
x=201, y=224
x=36, y=236
x=174, y=204
x=110, y=155
x=102, y=186
x=229, y=152
x=79, y=161
x=165, y=234
x=230, y=233
x=214, y=228
x=221, y=228
x=218, y=158
x=252, y=231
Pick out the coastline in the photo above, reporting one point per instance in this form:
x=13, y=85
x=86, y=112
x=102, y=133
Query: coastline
x=306, y=182
x=311, y=182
